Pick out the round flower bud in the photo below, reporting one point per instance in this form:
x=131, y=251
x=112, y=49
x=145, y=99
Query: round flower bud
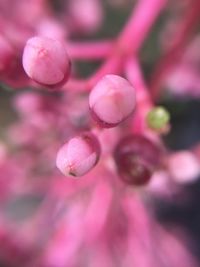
x=46, y=61
x=158, y=118
x=111, y=101
x=136, y=158
x=79, y=155
x=27, y=103
x=183, y=167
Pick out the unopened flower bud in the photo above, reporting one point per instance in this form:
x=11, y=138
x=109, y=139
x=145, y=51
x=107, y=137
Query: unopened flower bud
x=183, y=167
x=158, y=118
x=27, y=103
x=46, y=61
x=79, y=155
x=136, y=158
x=87, y=15
x=112, y=100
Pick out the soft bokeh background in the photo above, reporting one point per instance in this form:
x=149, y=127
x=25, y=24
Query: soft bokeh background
x=185, y=119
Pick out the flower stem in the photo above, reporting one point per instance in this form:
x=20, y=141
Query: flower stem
x=141, y=20
x=128, y=42
x=89, y=50
x=188, y=24
x=132, y=35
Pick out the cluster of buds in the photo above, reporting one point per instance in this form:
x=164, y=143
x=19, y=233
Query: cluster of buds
x=85, y=154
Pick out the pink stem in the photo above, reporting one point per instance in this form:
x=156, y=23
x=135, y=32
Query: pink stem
x=132, y=36
x=89, y=50
x=138, y=26
x=114, y=64
x=134, y=74
x=190, y=20
x=80, y=85
x=129, y=41
x=143, y=98
x=141, y=228
x=144, y=101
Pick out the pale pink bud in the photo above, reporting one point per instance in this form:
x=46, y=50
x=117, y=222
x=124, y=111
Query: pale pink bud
x=183, y=167
x=159, y=184
x=79, y=155
x=46, y=61
x=27, y=103
x=112, y=100
x=87, y=15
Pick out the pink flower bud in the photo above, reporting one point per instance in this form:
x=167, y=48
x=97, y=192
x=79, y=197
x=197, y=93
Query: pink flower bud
x=87, y=15
x=136, y=158
x=112, y=100
x=79, y=155
x=46, y=61
x=27, y=103
x=183, y=167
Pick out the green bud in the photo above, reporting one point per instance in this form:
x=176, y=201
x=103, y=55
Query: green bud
x=158, y=118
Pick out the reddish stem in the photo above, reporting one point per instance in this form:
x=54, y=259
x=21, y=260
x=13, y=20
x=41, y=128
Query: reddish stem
x=89, y=50
x=189, y=21
x=138, y=26
x=143, y=99
x=132, y=35
x=129, y=41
